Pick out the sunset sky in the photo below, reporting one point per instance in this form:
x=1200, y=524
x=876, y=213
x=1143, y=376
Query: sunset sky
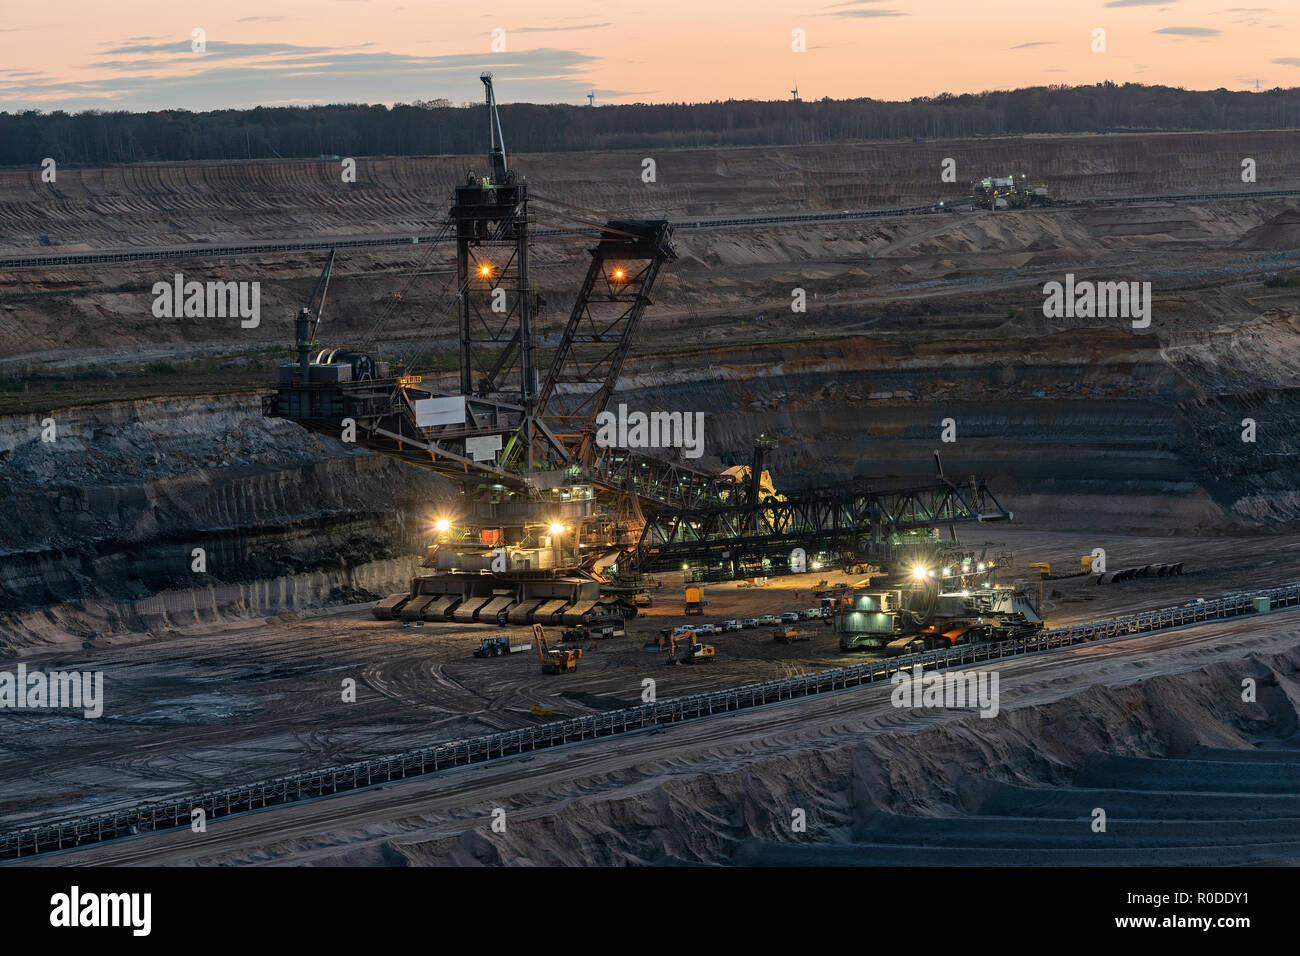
x=137, y=54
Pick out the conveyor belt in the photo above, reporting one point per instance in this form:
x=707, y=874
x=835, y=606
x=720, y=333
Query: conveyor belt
x=35, y=839
x=266, y=247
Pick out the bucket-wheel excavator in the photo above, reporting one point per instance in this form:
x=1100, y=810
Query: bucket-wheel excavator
x=551, y=525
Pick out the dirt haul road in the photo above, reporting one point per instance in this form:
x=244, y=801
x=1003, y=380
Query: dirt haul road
x=714, y=788
x=220, y=704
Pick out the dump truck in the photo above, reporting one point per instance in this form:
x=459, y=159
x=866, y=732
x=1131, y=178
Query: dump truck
x=694, y=600
x=788, y=635
x=554, y=660
x=500, y=646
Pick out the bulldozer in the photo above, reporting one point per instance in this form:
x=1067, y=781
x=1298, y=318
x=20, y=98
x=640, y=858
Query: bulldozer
x=788, y=635
x=554, y=660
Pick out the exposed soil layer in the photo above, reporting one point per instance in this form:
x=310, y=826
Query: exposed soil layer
x=173, y=203
x=910, y=322
x=109, y=515
x=1110, y=430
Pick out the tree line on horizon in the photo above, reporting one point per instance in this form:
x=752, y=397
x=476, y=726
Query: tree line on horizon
x=437, y=127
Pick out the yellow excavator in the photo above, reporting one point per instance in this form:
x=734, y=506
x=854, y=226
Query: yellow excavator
x=695, y=651
x=554, y=660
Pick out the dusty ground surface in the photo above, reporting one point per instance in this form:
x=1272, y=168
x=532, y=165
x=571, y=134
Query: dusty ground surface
x=1214, y=781
x=206, y=706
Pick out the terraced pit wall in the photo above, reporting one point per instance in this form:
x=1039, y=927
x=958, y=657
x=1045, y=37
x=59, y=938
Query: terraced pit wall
x=167, y=203
x=1071, y=428
x=1112, y=433
x=108, y=515
x=1076, y=423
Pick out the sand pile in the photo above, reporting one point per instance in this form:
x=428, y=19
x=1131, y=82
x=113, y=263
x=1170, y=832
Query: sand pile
x=1280, y=232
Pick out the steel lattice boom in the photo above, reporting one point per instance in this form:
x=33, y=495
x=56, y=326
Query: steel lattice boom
x=598, y=336
x=510, y=430
x=849, y=518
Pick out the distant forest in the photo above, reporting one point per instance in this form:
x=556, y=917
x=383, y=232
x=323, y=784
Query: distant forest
x=440, y=128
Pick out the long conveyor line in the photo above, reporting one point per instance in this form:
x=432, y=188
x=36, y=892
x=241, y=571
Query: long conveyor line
x=71, y=833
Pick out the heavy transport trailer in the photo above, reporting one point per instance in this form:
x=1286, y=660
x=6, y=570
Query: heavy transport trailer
x=500, y=647
x=939, y=636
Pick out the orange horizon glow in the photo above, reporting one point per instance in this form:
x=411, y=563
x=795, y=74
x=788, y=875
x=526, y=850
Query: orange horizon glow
x=140, y=54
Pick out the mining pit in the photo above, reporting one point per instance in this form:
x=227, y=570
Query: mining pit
x=1095, y=434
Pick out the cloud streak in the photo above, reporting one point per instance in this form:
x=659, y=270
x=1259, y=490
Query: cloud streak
x=858, y=9
x=585, y=26
x=311, y=74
